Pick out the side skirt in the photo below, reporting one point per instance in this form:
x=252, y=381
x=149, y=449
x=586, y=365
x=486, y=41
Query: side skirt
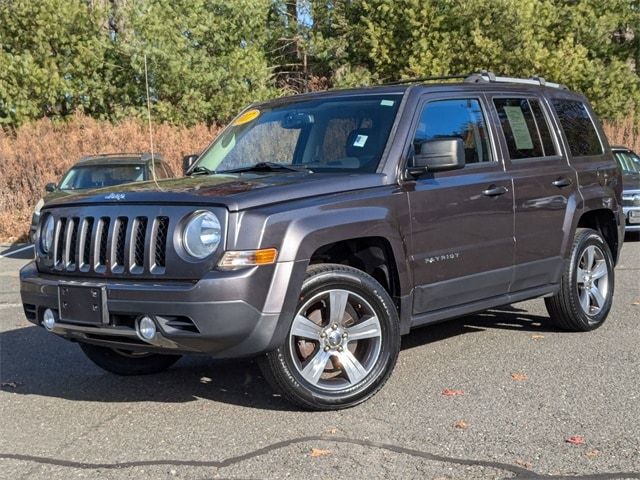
x=444, y=314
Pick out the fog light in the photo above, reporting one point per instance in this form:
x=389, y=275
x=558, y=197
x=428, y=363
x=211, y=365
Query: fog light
x=49, y=319
x=147, y=328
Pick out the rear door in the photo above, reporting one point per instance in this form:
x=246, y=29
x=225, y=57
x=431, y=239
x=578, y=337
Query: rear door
x=544, y=184
x=462, y=246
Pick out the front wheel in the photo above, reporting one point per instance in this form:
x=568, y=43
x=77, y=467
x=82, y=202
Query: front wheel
x=586, y=287
x=343, y=342
x=127, y=362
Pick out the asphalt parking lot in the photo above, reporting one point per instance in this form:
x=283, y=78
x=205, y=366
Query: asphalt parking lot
x=523, y=389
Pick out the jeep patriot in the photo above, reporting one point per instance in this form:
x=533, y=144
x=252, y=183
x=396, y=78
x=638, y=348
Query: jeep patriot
x=317, y=229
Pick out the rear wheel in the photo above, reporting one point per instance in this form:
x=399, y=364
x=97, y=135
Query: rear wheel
x=586, y=287
x=343, y=342
x=128, y=362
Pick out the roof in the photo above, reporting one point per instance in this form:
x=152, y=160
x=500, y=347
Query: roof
x=474, y=82
x=118, y=158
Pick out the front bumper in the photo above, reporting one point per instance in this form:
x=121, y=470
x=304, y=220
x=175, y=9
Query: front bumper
x=224, y=314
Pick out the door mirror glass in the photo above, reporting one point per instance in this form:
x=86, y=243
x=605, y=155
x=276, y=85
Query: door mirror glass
x=187, y=162
x=439, y=155
x=50, y=187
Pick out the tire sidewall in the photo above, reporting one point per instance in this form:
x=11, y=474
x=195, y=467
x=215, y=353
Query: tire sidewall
x=379, y=299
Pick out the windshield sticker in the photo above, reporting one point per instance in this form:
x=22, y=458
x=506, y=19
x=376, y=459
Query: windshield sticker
x=387, y=103
x=360, y=140
x=246, y=117
x=519, y=128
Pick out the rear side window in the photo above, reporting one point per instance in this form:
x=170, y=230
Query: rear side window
x=460, y=118
x=578, y=128
x=525, y=128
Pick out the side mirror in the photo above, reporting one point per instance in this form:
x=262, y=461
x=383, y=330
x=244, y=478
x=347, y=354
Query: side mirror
x=187, y=162
x=50, y=187
x=438, y=156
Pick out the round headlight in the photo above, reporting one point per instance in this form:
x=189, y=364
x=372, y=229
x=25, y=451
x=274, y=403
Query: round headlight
x=46, y=234
x=201, y=234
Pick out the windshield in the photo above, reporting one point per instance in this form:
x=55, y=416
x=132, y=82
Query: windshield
x=326, y=134
x=97, y=176
x=629, y=162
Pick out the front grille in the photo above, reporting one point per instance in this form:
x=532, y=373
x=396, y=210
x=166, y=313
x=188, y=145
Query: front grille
x=111, y=245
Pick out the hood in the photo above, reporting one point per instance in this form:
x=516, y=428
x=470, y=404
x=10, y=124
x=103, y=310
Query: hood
x=630, y=181
x=234, y=191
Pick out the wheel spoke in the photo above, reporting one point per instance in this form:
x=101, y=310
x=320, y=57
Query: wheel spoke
x=312, y=371
x=370, y=328
x=597, y=296
x=590, y=251
x=580, y=275
x=600, y=270
x=305, y=328
x=584, y=300
x=337, y=305
x=351, y=366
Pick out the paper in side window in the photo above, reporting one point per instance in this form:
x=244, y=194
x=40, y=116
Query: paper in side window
x=519, y=128
x=360, y=140
x=387, y=103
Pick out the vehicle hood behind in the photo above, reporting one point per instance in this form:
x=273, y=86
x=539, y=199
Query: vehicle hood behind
x=630, y=181
x=235, y=191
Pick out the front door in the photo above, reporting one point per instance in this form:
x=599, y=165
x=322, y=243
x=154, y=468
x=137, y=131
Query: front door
x=462, y=243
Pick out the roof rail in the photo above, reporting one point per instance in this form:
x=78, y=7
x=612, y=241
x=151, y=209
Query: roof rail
x=427, y=79
x=490, y=77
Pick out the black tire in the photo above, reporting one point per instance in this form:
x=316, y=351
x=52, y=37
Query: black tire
x=565, y=308
x=127, y=363
x=279, y=366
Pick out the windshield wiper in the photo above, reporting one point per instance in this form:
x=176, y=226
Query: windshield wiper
x=200, y=170
x=268, y=167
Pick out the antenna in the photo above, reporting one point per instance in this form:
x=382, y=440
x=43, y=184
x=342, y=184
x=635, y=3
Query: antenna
x=153, y=158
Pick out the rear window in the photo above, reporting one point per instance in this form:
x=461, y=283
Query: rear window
x=578, y=128
x=525, y=128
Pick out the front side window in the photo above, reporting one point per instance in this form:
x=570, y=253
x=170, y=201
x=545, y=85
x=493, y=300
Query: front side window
x=457, y=118
x=578, y=128
x=325, y=134
x=525, y=128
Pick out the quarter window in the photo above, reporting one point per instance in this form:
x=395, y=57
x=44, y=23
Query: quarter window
x=459, y=118
x=578, y=128
x=525, y=128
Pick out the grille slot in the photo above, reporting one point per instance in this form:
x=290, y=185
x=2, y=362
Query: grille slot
x=71, y=240
x=85, y=244
x=160, y=244
x=102, y=236
x=136, y=254
x=117, y=245
x=61, y=228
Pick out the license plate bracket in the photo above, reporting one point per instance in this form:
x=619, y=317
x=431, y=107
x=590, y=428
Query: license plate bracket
x=83, y=304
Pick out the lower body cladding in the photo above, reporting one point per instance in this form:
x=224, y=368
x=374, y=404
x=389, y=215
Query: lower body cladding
x=224, y=314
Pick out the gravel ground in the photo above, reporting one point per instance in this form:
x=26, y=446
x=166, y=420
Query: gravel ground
x=526, y=388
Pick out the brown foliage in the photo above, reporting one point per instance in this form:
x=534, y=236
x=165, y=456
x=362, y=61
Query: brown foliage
x=40, y=152
x=625, y=132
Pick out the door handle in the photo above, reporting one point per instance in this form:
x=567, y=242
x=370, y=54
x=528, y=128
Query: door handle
x=562, y=182
x=494, y=191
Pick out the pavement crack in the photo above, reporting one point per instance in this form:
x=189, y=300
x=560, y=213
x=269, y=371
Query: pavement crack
x=518, y=472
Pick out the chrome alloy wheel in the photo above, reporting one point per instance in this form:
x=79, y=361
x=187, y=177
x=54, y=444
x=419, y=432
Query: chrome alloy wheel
x=592, y=280
x=335, y=340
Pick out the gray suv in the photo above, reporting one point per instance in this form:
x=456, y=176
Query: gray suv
x=316, y=230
